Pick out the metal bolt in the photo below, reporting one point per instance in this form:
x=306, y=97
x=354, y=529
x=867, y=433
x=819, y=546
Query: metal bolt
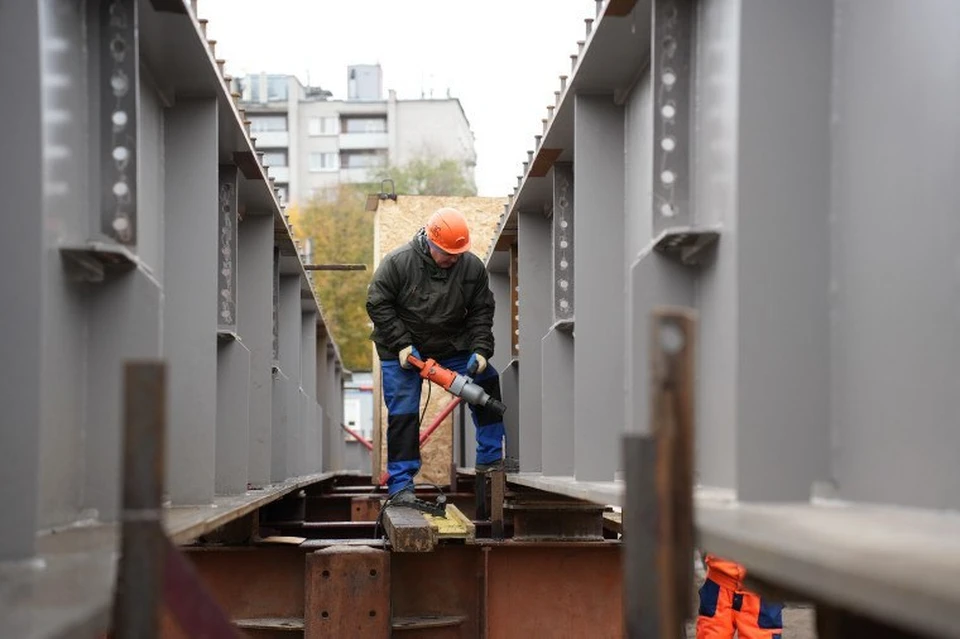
x=550, y=112
x=525, y=165
x=589, y=25
x=563, y=82
x=556, y=97
x=530, y=156
x=580, y=44
x=573, y=61
x=537, y=139
x=220, y=64
x=545, y=122
x=599, y=7
x=203, y=26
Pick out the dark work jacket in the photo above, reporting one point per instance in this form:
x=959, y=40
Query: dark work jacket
x=411, y=300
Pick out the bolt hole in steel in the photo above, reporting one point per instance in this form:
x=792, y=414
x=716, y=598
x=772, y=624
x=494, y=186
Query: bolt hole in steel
x=373, y=613
x=326, y=574
x=671, y=338
x=373, y=572
x=668, y=144
x=668, y=111
x=324, y=614
x=666, y=210
x=667, y=177
x=669, y=78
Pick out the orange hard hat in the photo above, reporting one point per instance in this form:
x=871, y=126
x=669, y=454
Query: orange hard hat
x=447, y=228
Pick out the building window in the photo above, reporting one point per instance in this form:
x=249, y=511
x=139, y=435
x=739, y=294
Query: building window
x=323, y=162
x=277, y=88
x=322, y=126
x=362, y=159
x=275, y=158
x=261, y=123
x=365, y=125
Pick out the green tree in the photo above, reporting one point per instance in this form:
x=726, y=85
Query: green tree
x=428, y=175
x=341, y=232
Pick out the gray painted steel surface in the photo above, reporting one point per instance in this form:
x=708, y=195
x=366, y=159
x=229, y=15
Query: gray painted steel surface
x=818, y=140
x=111, y=251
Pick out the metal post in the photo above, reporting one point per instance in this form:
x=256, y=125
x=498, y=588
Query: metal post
x=658, y=511
x=140, y=578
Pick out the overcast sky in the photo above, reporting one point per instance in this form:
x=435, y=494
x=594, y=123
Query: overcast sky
x=502, y=58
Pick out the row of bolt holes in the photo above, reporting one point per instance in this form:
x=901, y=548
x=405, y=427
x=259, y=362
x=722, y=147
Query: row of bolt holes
x=326, y=575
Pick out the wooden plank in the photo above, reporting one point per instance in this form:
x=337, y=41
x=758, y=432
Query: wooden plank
x=408, y=530
x=455, y=525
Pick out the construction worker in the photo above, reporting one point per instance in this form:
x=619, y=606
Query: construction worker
x=727, y=608
x=430, y=298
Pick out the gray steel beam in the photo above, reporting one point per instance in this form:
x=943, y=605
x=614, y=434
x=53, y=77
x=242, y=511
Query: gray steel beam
x=536, y=316
x=118, y=56
x=783, y=186
x=510, y=392
x=323, y=392
x=557, y=365
x=715, y=191
x=290, y=353
x=233, y=418
x=228, y=219
x=308, y=381
x=190, y=297
x=600, y=276
x=255, y=325
x=21, y=241
x=894, y=228
x=279, y=409
x=500, y=287
x=655, y=280
x=671, y=52
x=64, y=182
x=563, y=232
x=124, y=323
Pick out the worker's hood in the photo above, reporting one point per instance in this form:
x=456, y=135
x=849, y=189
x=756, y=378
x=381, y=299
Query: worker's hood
x=422, y=248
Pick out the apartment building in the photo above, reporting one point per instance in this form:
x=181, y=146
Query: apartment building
x=312, y=142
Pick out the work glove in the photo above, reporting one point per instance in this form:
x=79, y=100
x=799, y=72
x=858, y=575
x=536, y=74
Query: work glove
x=476, y=364
x=407, y=352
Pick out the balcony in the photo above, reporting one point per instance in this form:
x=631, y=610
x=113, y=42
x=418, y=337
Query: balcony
x=351, y=141
x=279, y=173
x=271, y=139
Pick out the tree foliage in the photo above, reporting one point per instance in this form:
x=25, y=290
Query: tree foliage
x=429, y=175
x=340, y=231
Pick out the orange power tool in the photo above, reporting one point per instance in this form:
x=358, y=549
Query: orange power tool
x=456, y=384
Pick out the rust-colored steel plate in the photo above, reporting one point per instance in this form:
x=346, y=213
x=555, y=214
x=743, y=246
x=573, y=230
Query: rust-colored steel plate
x=347, y=593
x=444, y=583
x=254, y=582
x=364, y=509
x=556, y=591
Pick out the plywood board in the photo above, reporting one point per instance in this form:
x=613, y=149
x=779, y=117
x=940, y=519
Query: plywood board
x=395, y=224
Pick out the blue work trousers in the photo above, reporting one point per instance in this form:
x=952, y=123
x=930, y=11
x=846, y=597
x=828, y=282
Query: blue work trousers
x=401, y=393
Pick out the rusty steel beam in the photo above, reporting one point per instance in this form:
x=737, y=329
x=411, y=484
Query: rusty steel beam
x=140, y=573
x=347, y=593
x=568, y=590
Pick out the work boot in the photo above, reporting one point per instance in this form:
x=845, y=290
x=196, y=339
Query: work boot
x=508, y=465
x=404, y=497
